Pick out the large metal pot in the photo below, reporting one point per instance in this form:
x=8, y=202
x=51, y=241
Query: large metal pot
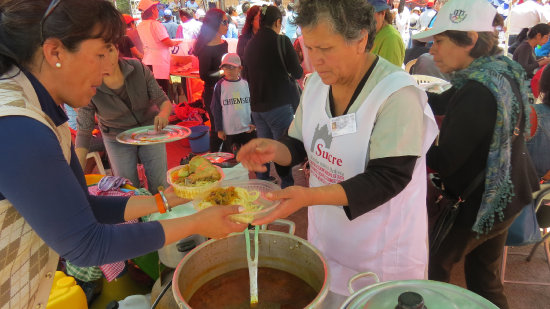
x=277, y=250
x=419, y=294
x=172, y=254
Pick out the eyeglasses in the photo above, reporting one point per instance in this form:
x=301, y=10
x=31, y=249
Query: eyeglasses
x=225, y=22
x=47, y=14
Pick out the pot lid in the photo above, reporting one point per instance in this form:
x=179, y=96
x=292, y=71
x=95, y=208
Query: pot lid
x=433, y=294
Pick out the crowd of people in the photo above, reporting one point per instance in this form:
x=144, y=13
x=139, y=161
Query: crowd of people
x=365, y=127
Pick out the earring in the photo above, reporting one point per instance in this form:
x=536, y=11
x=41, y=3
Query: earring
x=58, y=65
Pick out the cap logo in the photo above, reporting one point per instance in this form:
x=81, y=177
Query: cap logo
x=458, y=16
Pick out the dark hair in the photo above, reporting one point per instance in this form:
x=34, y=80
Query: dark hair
x=270, y=15
x=245, y=7
x=212, y=5
x=400, y=7
x=543, y=29
x=210, y=26
x=498, y=21
x=348, y=18
x=187, y=13
x=250, y=15
x=544, y=85
x=388, y=17
x=230, y=10
x=72, y=22
x=486, y=45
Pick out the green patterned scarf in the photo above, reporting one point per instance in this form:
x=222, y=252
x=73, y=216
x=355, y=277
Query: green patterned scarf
x=494, y=73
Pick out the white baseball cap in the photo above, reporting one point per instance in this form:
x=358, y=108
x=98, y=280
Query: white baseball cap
x=461, y=15
x=231, y=59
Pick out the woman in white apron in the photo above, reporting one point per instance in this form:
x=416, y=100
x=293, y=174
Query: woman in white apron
x=365, y=128
x=156, y=43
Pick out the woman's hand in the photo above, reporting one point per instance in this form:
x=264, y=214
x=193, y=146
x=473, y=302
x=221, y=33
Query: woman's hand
x=173, y=199
x=161, y=121
x=252, y=128
x=293, y=198
x=214, y=222
x=221, y=135
x=256, y=153
x=543, y=61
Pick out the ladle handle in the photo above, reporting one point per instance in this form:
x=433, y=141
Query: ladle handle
x=359, y=276
x=291, y=225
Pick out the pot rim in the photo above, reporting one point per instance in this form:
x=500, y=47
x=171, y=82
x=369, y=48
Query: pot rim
x=357, y=299
x=320, y=295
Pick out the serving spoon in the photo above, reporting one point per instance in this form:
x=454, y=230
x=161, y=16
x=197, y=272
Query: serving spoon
x=252, y=266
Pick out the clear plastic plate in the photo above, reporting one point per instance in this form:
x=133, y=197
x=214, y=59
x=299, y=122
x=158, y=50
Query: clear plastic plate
x=252, y=186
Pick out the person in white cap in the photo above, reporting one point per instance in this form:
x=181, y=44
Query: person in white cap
x=231, y=105
x=156, y=43
x=414, y=20
x=485, y=107
x=169, y=24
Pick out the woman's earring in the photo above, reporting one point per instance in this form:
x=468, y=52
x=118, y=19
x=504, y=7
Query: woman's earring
x=58, y=65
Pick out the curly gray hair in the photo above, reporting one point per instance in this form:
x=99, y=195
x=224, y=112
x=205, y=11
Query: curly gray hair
x=347, y=17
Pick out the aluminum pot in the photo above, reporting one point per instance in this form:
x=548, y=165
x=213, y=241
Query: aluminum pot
x=419, y=294
x=172, y=254
x=278, y=250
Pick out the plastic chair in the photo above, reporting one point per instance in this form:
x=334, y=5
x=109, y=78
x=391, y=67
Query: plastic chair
x=538, y=197
x=426, y=79
x=95, y=155
x=409, y=65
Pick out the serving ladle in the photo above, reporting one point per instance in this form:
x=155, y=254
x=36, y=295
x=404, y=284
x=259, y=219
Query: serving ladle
x=252, y=266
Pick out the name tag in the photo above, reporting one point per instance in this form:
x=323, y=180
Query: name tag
x=343, y=125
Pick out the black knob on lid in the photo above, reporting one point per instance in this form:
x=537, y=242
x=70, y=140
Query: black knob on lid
x=410, y=300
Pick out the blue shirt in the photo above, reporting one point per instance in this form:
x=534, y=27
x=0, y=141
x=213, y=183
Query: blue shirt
x=52, y=195
x=544, y=50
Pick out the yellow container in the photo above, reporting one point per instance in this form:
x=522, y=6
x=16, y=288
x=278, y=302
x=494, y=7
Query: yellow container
x=66, y=293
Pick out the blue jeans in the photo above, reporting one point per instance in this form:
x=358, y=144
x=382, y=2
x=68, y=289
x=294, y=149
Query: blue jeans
x=274, y=124
x=124, y=160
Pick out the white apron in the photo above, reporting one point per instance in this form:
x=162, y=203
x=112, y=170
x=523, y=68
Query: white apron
x=390, y=240
x=155, y=53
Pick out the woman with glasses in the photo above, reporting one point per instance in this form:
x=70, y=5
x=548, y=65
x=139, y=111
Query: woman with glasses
x=481, y=146
x=53, y=53
x=209, y=48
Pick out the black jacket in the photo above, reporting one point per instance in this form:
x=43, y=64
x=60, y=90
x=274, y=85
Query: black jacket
x=268, y=81
x=464, y=140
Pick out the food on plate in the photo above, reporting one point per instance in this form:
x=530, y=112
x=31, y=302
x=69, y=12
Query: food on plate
x=231, y=196
x=198, y=172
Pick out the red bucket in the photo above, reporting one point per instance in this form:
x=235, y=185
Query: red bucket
x=188, y=124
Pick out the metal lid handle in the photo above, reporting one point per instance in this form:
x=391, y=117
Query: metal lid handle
x=358, y=276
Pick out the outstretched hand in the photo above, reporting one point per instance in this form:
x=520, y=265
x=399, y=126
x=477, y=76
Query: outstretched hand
x=173, y=199
x=256, y=153
x=214, y=222
x=293, y=198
